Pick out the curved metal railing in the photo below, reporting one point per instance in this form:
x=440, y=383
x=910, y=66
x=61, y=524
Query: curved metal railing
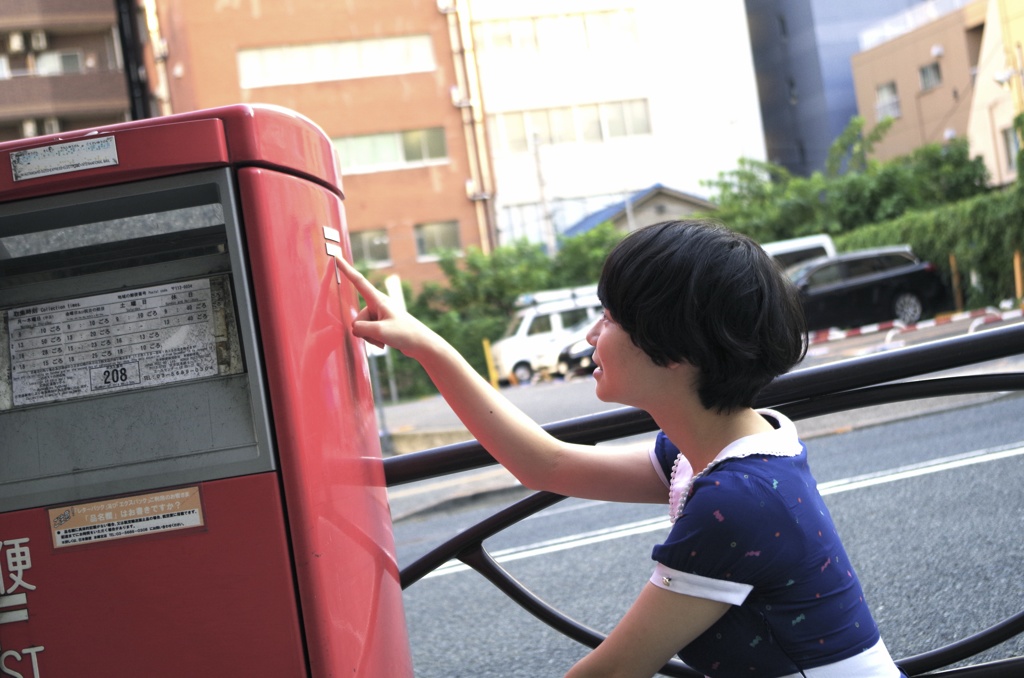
x=873, y=380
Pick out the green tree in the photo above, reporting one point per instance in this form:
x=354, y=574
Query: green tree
x=478, y=296
x=580, y=258
x=749, y=198
x=767, y=203
x=853, y=148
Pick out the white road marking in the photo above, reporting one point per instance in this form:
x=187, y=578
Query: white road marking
x=660, y=524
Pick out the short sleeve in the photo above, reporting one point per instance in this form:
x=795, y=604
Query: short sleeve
x=663, y=455
x=726, y=530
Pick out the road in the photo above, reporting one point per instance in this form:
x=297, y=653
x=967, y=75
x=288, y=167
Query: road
x=934, y=532
x=556, y=400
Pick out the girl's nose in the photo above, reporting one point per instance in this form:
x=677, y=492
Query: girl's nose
x=595, y=330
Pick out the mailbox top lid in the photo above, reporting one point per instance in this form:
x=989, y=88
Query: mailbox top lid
x=240, y=135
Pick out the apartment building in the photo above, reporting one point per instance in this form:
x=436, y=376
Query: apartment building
x=387, y=80
x=999, y=91
x=920, y=71
x=61, y=67
x=942, y=70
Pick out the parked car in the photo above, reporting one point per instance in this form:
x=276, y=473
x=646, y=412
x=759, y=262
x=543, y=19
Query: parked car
x=796, y=250
x=577, y=357
x=868, y=286
x=543, y=324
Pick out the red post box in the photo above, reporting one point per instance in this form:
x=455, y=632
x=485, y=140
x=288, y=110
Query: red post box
x=190, y=473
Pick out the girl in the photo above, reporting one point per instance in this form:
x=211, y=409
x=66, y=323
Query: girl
x=752, y=579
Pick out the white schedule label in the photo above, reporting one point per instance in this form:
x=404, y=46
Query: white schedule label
x=112, y=342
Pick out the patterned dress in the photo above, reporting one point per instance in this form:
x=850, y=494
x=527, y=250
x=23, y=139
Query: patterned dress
x=751, y=530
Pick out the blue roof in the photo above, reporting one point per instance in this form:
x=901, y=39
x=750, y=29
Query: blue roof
x=613, y=210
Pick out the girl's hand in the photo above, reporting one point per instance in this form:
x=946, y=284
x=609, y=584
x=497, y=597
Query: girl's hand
x=380, y=323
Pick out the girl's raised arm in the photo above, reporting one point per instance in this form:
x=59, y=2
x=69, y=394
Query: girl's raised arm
x=537, y=459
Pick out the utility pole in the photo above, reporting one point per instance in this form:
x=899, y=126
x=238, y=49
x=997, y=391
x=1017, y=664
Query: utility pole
x=134, y=66
x=546, y=222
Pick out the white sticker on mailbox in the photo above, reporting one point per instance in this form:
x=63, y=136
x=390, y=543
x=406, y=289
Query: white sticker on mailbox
x=72, y=156
x=112, y=342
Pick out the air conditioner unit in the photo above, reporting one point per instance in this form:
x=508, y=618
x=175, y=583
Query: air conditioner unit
x=29, y=128
x=16, y=42
x=51, y=125
x=38, y=41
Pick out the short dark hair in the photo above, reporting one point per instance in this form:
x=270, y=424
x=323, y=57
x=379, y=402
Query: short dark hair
x=698, y=292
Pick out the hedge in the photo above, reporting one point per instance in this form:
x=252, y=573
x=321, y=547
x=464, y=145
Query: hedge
x=982, y=232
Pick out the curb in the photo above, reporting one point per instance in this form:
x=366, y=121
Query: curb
x=987, y=315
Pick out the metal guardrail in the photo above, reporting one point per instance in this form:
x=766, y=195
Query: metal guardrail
x=873, y=380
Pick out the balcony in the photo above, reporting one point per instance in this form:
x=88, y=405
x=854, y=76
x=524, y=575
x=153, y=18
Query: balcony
x=68, y=95
x=57, y=14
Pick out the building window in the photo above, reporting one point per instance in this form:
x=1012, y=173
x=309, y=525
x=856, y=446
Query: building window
x=436, y=237
x=601, y=30
x=517, y=34
x=392, y=150
x=58, y=63
x=371, y=248
x=540, y=127
x=327, y=61
x=887, y=102
x=5, y=67
x=558, y=33
x=627, y=118
x=514, y=132
x=931, y=76
x=611, y=30
x=518, y=131
x=563, y=129
x=1011, y=144
x=589, y=119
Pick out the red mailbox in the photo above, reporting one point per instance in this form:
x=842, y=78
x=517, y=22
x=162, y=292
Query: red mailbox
x=190, y=473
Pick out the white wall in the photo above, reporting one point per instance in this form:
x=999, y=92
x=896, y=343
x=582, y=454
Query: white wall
x=692, y=62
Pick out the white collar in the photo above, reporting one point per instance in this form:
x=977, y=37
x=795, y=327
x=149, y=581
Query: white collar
x=779, y=442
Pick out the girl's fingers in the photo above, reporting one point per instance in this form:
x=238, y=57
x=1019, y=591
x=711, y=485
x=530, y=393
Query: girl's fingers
x=359, y=281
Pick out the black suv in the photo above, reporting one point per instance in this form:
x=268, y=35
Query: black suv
x=868, y=286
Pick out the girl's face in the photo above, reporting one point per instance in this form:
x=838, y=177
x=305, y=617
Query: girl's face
x=622, y=368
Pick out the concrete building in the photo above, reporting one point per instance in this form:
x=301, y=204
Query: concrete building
x=943, y=70
x=589, y=103
x=390, y=81
x=919, y=68
x=999, y=91
x=802, y=51
x=61, y=67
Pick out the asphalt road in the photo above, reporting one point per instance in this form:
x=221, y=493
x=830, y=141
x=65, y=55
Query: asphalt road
x=938, y=549
x=930, y=508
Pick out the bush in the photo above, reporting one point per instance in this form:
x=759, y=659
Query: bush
x=982, y=232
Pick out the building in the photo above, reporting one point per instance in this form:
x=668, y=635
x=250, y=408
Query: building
x=942, y=71
x=589, y=103
x=61, y=67
x=918, y=68
x=389, y=81
x=802, y=51
x=651, y=205
x=999, y=91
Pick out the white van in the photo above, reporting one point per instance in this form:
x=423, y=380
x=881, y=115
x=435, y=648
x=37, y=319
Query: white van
x=795, y=250
x=540, y=329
